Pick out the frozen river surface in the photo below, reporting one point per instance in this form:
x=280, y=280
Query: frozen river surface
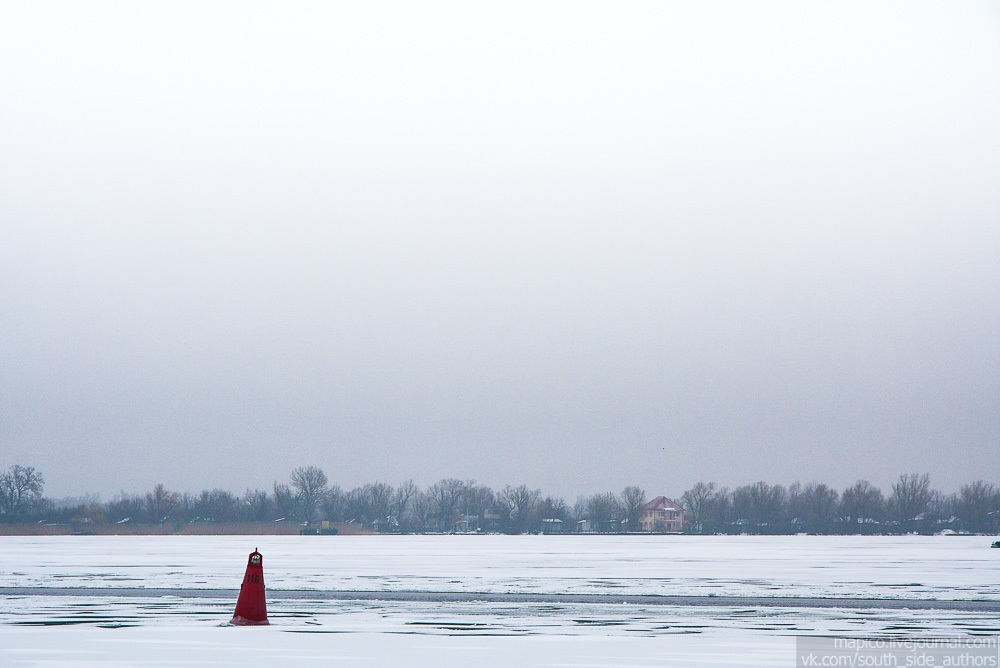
x=40, y=624
x=939, y=567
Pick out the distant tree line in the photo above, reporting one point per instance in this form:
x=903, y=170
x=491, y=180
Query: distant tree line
x=454, y=505
x=912, y=506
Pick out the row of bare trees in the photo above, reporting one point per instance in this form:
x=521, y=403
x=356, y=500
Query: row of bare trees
x=448, y=505
x=451, y=504
x=912, y=505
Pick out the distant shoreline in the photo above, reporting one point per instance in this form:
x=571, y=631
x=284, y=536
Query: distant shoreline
x=180, y=529
x=343, y=529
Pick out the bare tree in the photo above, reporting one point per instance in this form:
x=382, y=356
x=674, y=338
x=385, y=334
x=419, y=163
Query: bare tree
x=161, y=504
x=371, y=502
x=218, y=505
x=20, y=486
x=580, y=508
x=862, y=507
x=405, y=492
x=553, y=508
x=124, y=508
x=697, y=503
x=518, y=504
x=978, y=507
x=255, y=505
x=815, y=505
x=355, y=509
x=604, y=511
x=760, y=508
x=911, y=499
x=334, y=504
x=423, y=507
x=448, y=495
x=719, y=515
x=632, y=501
x=479, y=501
x=310, y=484
x=940, y=509
x=285, y=503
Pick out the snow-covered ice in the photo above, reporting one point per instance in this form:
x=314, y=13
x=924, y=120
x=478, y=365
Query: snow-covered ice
x=863, y=566
x=46, y=630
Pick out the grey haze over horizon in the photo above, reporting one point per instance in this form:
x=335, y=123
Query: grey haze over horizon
x=573, y=245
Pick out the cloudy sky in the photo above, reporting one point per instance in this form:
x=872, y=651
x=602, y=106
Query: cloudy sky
x=569, y=244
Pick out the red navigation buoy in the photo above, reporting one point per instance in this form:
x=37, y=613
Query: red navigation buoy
x=251, y=608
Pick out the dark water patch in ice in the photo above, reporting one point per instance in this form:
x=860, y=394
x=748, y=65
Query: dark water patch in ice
x=468, y=628
x=51, y=622
x=97, y=621
x=901, y=584
x=690, y=631
x=483, y=634
x=291, y=614
x=676, y=629
x=462, y=624
x=314, y=631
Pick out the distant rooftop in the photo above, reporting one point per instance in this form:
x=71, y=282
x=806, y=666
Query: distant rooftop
x=662, y=503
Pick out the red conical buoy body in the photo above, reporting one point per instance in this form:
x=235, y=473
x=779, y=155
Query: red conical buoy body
x=251, y=608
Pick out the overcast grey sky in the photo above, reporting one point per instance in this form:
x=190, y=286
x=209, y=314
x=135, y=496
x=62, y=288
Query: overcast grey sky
x=569, y=244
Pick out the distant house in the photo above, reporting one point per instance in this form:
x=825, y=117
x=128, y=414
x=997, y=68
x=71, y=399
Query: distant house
x=662, y=515
x=552, y=526
x=464, y=523
x=603, y=526
x=387, y=525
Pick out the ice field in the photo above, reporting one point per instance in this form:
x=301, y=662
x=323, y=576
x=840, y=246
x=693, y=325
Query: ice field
x=163, y=600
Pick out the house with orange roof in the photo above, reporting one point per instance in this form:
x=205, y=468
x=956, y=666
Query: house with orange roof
x=662, y=515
